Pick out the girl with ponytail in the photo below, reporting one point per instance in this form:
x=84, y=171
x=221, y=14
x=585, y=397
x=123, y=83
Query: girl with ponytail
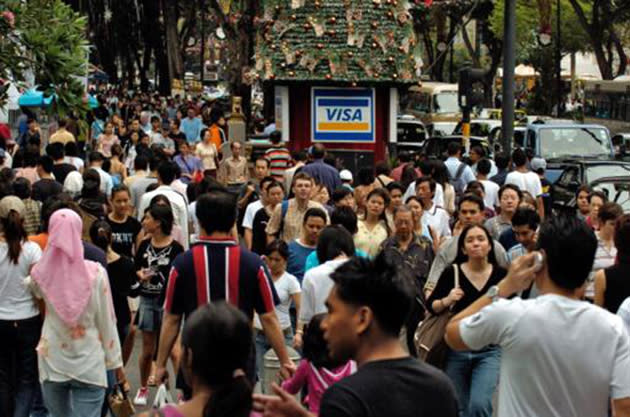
x=216, y=344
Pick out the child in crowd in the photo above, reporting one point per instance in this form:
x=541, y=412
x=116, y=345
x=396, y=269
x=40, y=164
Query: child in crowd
x=317, y=371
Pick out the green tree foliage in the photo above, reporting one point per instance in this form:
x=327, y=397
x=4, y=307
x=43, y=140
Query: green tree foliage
x=44, y=38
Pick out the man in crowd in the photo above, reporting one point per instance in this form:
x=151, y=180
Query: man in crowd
x=166, y=174
x=286, y=221
x=412, y=255
x=545, y=371
x=459, y=173
x=46, y=187
x=367, y=307
x=61, y=169
x=235, y=275
x=233, y=170
x=191, y=126
x=252, y=209
x=321, y=171
x=299, y=160
x=299, y=249
x=525, y=179
x=278, y=156
x=433, y=216
x=62, y=135
x=96, y=163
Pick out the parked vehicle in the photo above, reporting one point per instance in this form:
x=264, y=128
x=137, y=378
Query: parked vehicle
x=436, y=147
x=582, y=171
x=558, y=143
x=410, y=135
x=433, y=102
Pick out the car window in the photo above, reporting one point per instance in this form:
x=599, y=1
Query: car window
x=574, y=141
x=595, y=172
x=617, y=192
x=570, y=175
x=531, y=140
x=420, y=102
x=410, y=133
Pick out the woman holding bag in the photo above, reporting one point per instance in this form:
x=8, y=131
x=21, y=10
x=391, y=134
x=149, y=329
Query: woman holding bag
x=79, y=342
x=474, y=373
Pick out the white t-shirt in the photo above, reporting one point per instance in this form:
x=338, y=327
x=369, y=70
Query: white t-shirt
x=315, y=289
x=250, y=213
x=491, y=189
x=624, y=313
x=438, y=197
x=74, y=160
x=286, y=286
x=559, y=357
x=438, y=219
x=16, y=300
x=528, y=181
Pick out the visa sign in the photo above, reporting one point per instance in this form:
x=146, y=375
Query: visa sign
x=343, y=114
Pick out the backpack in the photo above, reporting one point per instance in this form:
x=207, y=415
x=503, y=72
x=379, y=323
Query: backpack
x=456, y=183
x=284, y=207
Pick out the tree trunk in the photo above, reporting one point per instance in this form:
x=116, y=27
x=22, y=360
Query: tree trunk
x=173, y=49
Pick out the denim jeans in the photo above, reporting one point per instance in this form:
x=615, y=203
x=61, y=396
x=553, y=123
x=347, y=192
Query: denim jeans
x=475, y=375
x=262, y=346
x=18, y=365
x=73, y=399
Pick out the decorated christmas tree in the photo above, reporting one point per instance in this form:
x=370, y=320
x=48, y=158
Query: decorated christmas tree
x=341, y=41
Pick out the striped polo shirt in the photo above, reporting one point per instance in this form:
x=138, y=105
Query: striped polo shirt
x=279, y=160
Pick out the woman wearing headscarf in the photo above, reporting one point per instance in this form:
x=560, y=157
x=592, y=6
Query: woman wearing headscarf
x=79, y=342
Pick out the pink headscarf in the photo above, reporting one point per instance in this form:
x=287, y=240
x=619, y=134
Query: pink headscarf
x=65, y=279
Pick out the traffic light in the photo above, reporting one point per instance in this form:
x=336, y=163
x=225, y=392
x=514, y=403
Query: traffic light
x=471, y=87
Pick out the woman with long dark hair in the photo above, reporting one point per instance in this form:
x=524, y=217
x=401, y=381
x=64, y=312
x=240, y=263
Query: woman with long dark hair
x=373, y=228
x=474, y=373
x=20, y=321
x=153, y=263
x=216, y=343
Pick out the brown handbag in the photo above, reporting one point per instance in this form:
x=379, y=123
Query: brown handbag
x=429, y=336
x=119, y=403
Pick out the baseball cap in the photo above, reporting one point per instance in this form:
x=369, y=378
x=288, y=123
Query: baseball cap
x=11, y=203
x=345, y=175
x=538, y=164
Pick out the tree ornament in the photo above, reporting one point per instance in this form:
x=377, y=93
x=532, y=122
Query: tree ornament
x=328, y=76
x=332, y=20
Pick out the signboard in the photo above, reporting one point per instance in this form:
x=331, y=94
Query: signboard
x=342, y=115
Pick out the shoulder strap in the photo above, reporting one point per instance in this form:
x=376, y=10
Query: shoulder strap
x=460, y=171
x=456, y=272
x=284, y=208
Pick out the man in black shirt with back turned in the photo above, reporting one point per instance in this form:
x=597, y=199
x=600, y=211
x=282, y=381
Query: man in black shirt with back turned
x=366, y=309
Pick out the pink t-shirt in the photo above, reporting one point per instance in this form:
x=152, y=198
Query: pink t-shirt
x=171, y=411
x=317, y=379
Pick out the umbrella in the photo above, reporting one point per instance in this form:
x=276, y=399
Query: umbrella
x=92, y=101
x=35, y=98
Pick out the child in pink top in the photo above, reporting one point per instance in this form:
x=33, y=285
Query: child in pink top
x=317, y=370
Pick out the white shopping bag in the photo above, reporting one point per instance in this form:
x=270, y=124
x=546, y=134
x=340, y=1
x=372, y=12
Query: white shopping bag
x=162, y=397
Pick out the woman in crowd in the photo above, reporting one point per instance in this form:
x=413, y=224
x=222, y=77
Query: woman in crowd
x=581, y=199
x=208, y=153
x=20, y=320
x=106, y=140
x=216, y=343
x=79, y=341
x=364, y=185
x=612, y=285
x=288, y=290
x=122, y=278
x=153, y=262
x=474, y=373
x=596, y=199
x=606, y=254
x=275, y=194
x=440, y=175
x=118, y=171
x=420, y=228
x=373, y=228
x=28, y=169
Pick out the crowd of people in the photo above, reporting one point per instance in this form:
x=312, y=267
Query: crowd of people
x=149, y=222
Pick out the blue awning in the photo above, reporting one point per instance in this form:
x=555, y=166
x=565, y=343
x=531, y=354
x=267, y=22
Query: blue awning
x=35, y=98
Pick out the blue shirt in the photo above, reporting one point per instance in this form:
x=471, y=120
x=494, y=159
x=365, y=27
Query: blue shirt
x=324, y=174
x=188, y=165
x=452, y=164
x=298, y=253
x=191, y=128
x=312, y=260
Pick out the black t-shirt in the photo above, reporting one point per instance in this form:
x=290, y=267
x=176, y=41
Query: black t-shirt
x=159, y=260
x=61, y=171
x=259, y=236
x=391, y=388
x=124, y=235
x=45, y=188
x=447, y=281
x=122, y=277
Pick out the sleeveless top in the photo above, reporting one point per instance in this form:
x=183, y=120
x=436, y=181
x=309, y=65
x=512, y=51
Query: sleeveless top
x=617, y=286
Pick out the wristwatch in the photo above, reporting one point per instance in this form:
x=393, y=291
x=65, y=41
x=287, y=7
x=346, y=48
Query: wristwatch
x=493, y=293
